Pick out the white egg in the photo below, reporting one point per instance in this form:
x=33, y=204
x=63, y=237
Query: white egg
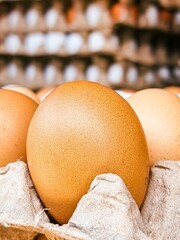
x=31, y=17
x=33, y=42
x=70, y=73
x=51, y=17
x=132, y=75
x=54, y=41
x=152, y=15
x=93, y=73
x=30, y=72
x=96, y=41
x=12, y=43
x=73, y=43
x=50, y=73
x=93, y=14
x=115, y=74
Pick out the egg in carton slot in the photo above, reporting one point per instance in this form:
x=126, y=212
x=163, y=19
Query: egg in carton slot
x=88, y=43
x=76, y=43
x=11, y=44
x=176, y=21
x=169, y=3
x=54, y=19
x=149, y=16
x=124, y=12
x=55, y=16
x=104, y=212
x=12, y=71
x=33, y=17
x=146, y=50
x=20, y=71
x=128, y=45
x=63, y=16
x=97, y=15
x=12, y=18
x=96, y=70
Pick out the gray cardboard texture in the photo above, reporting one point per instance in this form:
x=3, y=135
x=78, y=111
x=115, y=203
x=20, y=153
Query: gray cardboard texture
x=107, y=211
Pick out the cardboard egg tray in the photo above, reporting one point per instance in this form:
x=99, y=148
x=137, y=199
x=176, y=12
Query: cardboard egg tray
x=144, y=47
x=111, y=72
x=59, y=44
x=107, y=211
x=87, y=15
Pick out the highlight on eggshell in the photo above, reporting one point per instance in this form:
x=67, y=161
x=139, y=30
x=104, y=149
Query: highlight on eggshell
x=84, y=129
x=16, y=112
x=21, y=89
x=125, y=92
x=159, y=113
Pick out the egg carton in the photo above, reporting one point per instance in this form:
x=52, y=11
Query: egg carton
x=59, y=44
x=153, y=16
x=86, y=16
x=57, y=16
x=107, y=211
x=124, y=44
x=38, y=73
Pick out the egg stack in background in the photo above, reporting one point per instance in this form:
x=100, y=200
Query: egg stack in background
x=121, y=44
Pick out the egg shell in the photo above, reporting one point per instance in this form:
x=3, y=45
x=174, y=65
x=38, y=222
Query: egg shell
x=173, y=89
x=80, y=130
x=26, y=91
x=159, y=113
x=16, y=111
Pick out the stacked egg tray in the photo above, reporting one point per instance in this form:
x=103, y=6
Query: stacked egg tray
x=50, y=72
x=67, y=16
x=86, y=34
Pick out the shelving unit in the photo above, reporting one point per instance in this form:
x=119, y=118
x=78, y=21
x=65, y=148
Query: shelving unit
x=118, y=43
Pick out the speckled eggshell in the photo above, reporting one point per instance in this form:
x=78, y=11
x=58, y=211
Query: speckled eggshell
x=159, y=113
x=16, y=111
x=80, y=130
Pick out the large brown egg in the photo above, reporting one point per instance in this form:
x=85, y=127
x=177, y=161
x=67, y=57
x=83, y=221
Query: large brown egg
x=80, y=130
x=16, y=111
x=173, y=89
x=26, y=91
x=159, y=113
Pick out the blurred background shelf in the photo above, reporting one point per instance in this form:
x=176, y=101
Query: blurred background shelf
x=123, y=43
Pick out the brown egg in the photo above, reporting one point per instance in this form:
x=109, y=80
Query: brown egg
x=71, y=15
x=80, y=130
x=173, y=89
x=23, y=90
x=43, y=92
x=41, y=237
x=16, y=111
x=119, y=11
x=159, y=113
